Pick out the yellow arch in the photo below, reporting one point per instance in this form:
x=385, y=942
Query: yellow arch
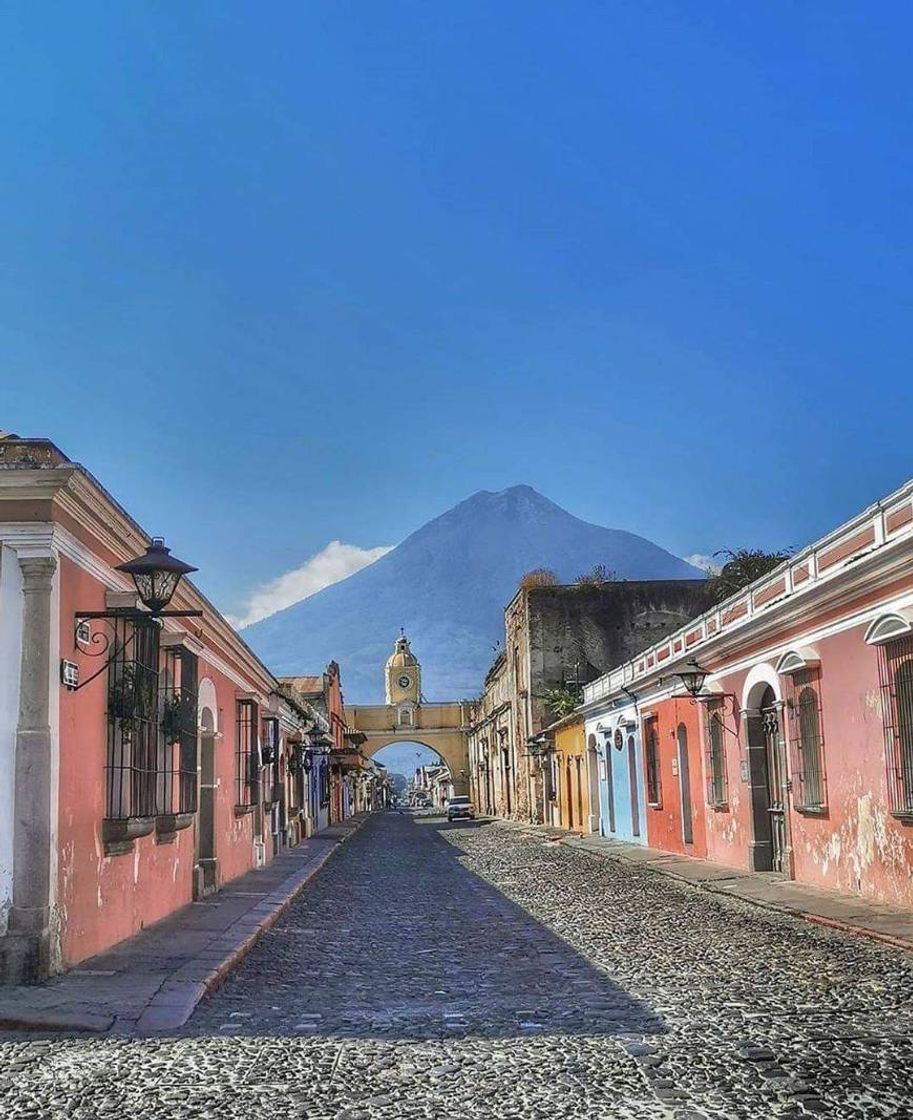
x=442, y=728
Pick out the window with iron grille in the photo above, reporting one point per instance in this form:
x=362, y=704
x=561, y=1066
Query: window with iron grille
x=809, y=776
x=132, y=718
x=270, y=757
x=717, y=784
x=177, y=769
x=654, y=786
x=247, y=770
x=895, y=668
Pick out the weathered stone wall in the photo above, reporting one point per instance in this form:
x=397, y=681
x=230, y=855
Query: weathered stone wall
x=578, y=632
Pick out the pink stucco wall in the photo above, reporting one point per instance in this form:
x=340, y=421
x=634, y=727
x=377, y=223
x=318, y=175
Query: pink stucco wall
x=856, y=845
x=103, y=899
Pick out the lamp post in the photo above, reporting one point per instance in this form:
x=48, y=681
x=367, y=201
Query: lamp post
x=692, y=677
x=156, y=576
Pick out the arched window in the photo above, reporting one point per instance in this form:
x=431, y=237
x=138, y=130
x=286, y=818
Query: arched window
x=717, y=792
x=895, y=663
x=903, y=692
x=809, y=769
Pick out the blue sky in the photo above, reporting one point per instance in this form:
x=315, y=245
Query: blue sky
x=290, y=273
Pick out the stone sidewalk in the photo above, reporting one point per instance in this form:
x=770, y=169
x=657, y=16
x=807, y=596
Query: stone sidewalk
x=848, y=912
x=153, y=981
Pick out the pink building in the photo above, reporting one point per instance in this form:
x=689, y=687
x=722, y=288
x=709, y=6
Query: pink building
x=805, y=715
x=143, y=761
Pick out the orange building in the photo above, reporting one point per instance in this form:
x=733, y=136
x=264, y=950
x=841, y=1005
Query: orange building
x=568, y=788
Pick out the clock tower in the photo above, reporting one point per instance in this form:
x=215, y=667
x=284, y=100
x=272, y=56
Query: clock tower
x=403, y=675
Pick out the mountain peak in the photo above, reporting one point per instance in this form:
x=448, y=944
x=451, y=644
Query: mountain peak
x=520, y=497
x=447, y=583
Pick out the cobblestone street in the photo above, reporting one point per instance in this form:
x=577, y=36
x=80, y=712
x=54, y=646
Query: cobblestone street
x=440, y=971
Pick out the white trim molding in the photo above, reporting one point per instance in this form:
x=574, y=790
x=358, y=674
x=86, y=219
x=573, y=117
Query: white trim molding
x=797, y=659
x=887, y=627
x=761, y=674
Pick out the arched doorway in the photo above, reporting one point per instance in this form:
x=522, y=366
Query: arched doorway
x=767, y=774
x=634, y=786
x=608, y=765
x=592, y=770
x=684, y=779
x=206, y=880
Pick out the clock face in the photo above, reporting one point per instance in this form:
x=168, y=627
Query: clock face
x=404, y=681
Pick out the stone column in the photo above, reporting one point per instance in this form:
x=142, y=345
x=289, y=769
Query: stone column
x=25, y=955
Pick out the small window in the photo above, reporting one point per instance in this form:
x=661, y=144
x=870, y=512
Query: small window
x=404, y=717
x=717, y=786
x=654, y=787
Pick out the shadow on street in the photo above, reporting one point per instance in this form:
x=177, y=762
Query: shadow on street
x=397, y=939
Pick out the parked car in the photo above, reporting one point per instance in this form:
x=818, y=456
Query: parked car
x=460, y=808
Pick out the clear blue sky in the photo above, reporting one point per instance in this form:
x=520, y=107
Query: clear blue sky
x=281, y=273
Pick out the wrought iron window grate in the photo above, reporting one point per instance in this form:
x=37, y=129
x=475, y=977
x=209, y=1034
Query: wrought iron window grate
x=806, y=737
x=654, y=780
x=895, y=669
x=247, y=754
x=177, y=769
x=133, y=726
x=717, y=782
x=270, y=758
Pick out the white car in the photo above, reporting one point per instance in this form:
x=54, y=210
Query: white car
x=460, y=808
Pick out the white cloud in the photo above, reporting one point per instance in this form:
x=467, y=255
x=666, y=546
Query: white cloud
x=330, y=565
x=700, y=560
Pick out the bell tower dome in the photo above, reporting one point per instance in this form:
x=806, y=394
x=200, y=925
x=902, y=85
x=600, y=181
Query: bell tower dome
x=403, y=674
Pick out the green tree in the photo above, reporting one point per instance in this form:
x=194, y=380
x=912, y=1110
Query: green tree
x=562, y=701
x=742, y=567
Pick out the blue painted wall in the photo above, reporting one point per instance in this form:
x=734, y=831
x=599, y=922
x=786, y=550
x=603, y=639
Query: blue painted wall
x=622, y=797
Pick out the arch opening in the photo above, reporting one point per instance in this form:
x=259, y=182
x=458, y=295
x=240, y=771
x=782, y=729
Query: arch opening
x=420, y=773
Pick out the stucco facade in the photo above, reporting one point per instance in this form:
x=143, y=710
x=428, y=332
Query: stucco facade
x=569, y=806
x=115, y=811
x=560, y=638
x=805, y=720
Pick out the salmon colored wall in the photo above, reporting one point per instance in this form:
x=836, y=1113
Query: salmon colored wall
x=856, y=845
x=728, y=830
x=664, y=822
x=234, y=834
x=103, y=899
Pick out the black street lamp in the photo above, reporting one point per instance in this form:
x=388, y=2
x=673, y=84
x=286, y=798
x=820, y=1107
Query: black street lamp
x=692, y=677
x=156, y=575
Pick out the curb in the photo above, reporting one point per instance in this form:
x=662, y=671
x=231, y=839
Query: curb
x=858, y=931
x=710, y=887
x=89, y=1022
x=177, y=999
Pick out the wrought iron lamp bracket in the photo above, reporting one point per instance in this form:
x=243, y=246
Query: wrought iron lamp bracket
x=104, y=640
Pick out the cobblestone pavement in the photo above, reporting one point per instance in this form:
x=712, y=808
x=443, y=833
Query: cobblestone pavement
x=473, y=970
